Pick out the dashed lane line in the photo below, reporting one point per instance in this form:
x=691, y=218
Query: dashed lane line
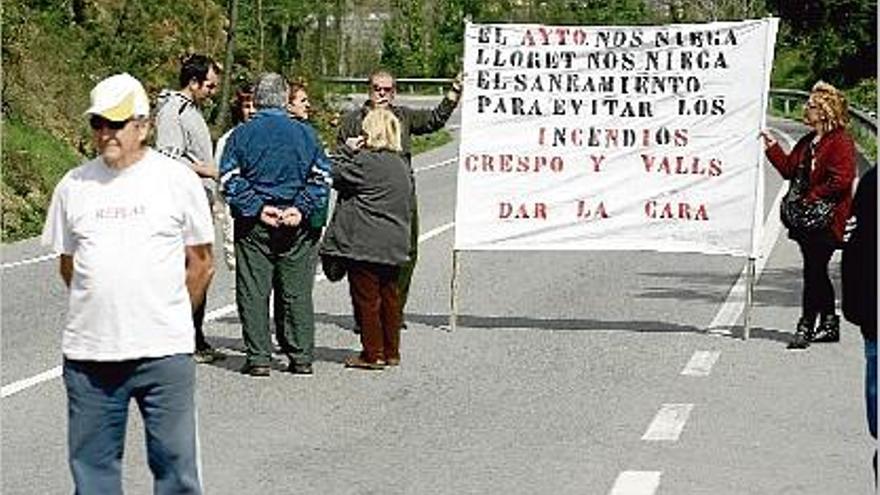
x=18, y=386
x=668, y=423
x=701, y=363
x=636, y=483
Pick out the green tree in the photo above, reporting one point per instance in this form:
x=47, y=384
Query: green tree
x=837, y=37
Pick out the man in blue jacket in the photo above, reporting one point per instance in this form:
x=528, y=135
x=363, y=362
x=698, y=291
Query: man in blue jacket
x=274, y=175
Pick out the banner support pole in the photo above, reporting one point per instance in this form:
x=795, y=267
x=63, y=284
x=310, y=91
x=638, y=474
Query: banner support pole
x=453, y=296
x=750, y=288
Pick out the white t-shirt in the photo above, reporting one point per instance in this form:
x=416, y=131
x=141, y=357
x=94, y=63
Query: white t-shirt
x=126, y=231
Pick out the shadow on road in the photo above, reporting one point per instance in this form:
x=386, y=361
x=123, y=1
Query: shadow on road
x=776, y=288
x=233, y=354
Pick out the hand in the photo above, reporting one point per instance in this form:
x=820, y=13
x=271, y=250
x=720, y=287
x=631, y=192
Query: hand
x=454, y=93
x=206, y=170
x=291, y=217
x=849, y=228
x=769, y=141
x=270, y=215
x=457, y=82
x=356, y=143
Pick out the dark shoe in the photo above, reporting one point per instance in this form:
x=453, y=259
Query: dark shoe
x=393, y=361
x=359, y=362
x=207, y=355
x=258, y=370
x=301, y=369
x=828, y=330
x=802, y=335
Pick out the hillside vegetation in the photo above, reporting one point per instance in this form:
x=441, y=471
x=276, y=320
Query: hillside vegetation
x=55, y=50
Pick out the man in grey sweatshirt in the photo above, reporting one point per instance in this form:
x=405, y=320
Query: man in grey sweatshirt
x=183, y=134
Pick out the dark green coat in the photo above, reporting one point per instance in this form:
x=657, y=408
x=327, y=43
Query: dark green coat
x=371, y=219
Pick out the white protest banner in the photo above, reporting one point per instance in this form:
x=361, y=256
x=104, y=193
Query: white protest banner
x=613, y=138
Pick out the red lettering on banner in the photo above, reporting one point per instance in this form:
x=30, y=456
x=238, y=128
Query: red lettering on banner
x=585, y=211
x=508, y=163
x=682, y=165
x=675, y=211
x=522, y=211
x=595, y=137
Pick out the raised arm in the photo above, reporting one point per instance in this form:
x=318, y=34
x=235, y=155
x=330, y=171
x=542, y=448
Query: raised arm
x=427, y=121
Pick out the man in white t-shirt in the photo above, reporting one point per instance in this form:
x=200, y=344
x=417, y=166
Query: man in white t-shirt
x=133, y=230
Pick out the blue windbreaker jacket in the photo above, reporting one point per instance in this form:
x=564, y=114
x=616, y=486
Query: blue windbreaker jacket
x=274, y=160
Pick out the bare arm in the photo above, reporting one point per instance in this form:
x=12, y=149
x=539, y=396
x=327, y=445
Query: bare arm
x=199, y=271
x=65, y=268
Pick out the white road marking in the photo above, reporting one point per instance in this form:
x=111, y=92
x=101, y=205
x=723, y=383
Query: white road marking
x=20, y=385
x=30, y=261
x=220, y=312
x=437, y=165
x=668, y=423
x=734, y=304
x=636, y=483
x=435, y=232
x=701, y=363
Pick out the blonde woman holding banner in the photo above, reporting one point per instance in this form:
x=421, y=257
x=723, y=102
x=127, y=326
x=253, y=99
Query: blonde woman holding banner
x=821, y=168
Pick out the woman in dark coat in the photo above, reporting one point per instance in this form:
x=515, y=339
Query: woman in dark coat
x=369, y=231
x=826, y=155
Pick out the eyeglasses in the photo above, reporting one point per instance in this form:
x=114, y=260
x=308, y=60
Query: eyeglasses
x=97, y=123
x=382, y=89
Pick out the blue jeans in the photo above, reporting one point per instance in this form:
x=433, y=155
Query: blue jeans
x=871, y=384
x=98, y=394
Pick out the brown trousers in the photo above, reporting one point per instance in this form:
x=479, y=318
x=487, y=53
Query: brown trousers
x=374, y=297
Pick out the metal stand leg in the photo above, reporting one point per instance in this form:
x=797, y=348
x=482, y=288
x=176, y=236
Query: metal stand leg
x=750, y=289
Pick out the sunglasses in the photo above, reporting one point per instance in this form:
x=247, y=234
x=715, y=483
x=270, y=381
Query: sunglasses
x=381, y=89
x=97, y=123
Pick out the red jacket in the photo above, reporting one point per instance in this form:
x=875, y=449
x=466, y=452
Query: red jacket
x=833, y=173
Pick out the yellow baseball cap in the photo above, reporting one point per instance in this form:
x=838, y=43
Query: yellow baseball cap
x=118, y=98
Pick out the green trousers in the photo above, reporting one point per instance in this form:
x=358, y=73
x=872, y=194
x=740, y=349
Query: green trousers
x=288, y=255
x=404, y=278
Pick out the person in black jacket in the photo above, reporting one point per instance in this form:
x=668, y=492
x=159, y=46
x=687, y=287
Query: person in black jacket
x=413, y=122
x=370, y=231
x=859, y=270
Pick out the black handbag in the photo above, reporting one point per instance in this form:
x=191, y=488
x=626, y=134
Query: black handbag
x=799, y=215
x=334, y=267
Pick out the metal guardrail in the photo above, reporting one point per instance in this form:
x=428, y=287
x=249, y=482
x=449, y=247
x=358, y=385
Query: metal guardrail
x=861, y=117
x=409, y=84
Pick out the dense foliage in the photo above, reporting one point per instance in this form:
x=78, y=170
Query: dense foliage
x=55, y=50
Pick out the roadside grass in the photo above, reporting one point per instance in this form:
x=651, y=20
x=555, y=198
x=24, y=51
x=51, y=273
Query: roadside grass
x=33, y=162
x=426, y=142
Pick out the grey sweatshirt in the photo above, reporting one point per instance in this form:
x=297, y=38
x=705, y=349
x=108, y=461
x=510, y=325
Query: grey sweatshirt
x=181, y=130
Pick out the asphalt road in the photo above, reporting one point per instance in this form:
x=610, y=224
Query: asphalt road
x=569, y=373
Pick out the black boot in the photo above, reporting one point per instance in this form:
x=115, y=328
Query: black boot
x=802, y=335
x=828, y=330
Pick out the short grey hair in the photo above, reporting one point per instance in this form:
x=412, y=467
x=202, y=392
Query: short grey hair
x=271, y=91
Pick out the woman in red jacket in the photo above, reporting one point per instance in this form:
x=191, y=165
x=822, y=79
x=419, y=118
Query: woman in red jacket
x=827, y=155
